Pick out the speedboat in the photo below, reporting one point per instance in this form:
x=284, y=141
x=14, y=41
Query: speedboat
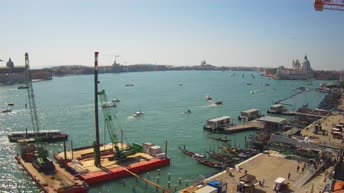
x=138, y=113
x=6, y=111
x=187, y=111
x=218, y=103
x=116, y=100
x=109, y=104
x=208, y=98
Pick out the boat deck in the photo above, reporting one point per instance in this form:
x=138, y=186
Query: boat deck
x=58, y=181
x=86, y=152
x=112, y=169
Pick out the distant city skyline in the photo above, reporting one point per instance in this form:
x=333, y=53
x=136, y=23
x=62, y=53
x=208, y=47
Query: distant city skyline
x=266, y=33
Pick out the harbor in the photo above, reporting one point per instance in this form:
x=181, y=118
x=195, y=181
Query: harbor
x=82, y=150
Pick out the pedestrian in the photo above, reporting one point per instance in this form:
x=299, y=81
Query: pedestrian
x=263, y=182
x=297, y=169
x=289, y=176
x=245, y=171
x=303, y=169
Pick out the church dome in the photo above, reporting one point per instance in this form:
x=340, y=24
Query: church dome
x=10, y=64
x=306, y=65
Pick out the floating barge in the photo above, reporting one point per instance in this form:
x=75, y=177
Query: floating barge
x=48, y=176
x=82, y=164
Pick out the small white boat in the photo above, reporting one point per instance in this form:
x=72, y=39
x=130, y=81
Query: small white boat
x=138, y=113
x=109, y=104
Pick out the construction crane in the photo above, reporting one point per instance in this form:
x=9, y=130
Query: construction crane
x=119, y=153
x=320, y=5
x=40, y=161
x=31, y=95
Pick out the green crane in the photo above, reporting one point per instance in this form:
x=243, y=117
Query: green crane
x=119, y=153
x=41, y=161
x=31, y=95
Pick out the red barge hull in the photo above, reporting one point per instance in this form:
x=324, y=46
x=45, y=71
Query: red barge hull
x=94, y=178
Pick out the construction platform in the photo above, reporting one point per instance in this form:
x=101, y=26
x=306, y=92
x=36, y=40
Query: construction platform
x=81, y=163
x=59, y=180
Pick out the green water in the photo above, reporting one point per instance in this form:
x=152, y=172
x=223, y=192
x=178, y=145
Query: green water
x=66, y=104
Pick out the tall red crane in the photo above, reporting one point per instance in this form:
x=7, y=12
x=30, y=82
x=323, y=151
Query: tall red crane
x=320, y=5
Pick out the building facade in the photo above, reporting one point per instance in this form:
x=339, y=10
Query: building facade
x=297, y=72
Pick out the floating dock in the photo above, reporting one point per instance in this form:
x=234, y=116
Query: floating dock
x=59, y=180
x=248, y=126
x=82, y=164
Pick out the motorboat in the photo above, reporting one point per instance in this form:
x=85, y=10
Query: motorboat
x=109, y=104
x=218, y=103
x=23, y=87
x=137, y=114
x=208, y=98
x=115, y=100
x=188, y=111
x=6, y=111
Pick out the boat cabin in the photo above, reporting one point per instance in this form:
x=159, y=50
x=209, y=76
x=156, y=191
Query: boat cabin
x=217, y=124
x=223, y=121
x=277, y=108
x=273, y=122
x=250, y=114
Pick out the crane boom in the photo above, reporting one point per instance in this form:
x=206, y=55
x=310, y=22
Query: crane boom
x=31, y=96
x=119, y=153
x=337, y=5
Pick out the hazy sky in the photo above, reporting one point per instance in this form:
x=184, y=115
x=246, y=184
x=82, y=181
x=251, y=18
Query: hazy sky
x=265, y=33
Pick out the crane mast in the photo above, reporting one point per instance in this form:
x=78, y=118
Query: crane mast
x=119, y=153
x=31, y=95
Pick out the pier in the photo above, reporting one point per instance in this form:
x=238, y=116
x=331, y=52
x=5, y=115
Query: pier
x=279, y=101
x=248, y=126
x=157, y=186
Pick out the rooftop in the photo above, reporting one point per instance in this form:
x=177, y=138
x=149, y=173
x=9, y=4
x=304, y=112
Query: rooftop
x=219, y=118
x=271, y=119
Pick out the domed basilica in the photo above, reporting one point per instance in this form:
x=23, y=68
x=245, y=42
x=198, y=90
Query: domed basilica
x=297, y=72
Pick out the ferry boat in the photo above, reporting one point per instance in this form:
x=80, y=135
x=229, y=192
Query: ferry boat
x=217, y=124
x=43, y=135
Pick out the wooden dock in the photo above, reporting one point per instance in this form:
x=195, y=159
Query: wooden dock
x=249, y=126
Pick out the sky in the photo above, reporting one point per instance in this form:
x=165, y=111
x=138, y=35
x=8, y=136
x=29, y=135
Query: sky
x=262, y=33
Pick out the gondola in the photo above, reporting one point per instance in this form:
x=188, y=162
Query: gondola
x=218, y=138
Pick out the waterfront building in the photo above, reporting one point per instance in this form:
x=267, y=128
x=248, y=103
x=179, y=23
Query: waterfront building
x=297, y=72
x=16, y=74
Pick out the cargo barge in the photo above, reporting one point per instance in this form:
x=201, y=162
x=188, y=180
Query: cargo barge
x=83, y=162
x=48, y=176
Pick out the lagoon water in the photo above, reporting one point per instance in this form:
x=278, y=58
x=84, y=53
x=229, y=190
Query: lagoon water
x=67, y=104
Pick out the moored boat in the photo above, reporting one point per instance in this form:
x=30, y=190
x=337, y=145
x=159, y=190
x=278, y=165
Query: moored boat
x=6, y=111
x=218, y=138
x=218, y=124
x=42, y=135
x=190, y=153
x=210, y=164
